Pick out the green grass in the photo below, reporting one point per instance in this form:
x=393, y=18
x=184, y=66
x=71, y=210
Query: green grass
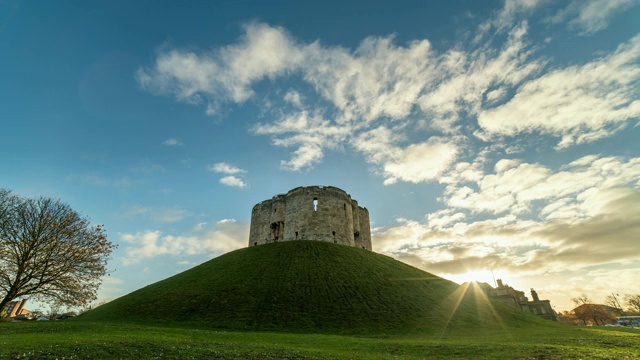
x=88, y=340
x=312, y=287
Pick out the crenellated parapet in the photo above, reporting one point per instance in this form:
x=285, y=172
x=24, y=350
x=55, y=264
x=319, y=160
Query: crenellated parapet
x=322, y=213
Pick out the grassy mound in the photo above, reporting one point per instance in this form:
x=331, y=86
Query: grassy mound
x=312, y=286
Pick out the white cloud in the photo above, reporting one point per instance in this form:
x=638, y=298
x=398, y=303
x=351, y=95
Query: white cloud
x=444, y=218
x=580, y=104
x=421, y=162
x=311, y=133
x=495, y=95
x=172, y=142
x=233, y=181
x=223, y=236
x=468, y=76
x=225, y=74
x=294, y=97
x=516, y=185
x=378, y=144
x=378, y=79
x=224, y=168
x=591, y=16
x=416, y=163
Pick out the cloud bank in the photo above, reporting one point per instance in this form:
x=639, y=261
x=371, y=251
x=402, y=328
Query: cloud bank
x=213, y=239
x=490, y=92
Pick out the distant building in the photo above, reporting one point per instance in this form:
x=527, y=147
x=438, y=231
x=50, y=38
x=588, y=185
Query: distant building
x=16, y=308
x=517, y=299
x=629, y=321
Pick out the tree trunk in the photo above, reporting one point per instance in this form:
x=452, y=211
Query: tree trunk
x=3, y=305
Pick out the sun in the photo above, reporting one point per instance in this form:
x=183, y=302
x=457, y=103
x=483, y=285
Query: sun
x=480, y=275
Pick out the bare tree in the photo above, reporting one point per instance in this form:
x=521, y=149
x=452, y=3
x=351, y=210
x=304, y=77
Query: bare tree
x=633, y=302
x=49, y=252
x=612, y=301
x=55, y=309
x=8, y=203
x=582, y=310
x=581, y=300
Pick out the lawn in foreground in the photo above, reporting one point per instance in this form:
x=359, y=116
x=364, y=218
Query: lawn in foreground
x=88, y=340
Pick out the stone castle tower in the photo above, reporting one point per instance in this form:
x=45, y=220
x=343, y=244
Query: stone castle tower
x=322, y=213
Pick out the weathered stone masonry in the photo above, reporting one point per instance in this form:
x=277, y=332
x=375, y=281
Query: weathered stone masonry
x=322, y=213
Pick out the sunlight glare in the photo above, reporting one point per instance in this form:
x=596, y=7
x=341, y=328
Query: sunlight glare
x=483, y=301
x=479, y=276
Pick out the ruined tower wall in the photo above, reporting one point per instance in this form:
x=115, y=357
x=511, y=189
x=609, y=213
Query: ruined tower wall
x=321, y=213
x=315, y=213
x=364, y=238
x=356, y=220
x=260, y=221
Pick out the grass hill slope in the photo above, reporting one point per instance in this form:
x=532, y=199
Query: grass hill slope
x=312, y=286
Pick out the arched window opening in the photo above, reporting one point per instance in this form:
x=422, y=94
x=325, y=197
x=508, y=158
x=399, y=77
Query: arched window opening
x=315, y=204
x=296, y=235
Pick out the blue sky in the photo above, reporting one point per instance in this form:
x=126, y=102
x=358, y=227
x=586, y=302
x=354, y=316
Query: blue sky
x=480, y=135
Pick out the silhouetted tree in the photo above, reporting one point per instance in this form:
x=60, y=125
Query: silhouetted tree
x=55, y=309
x=49, y=252
x=612, y=301
x=581, y=300
x=583, y=311
x=633, y=302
